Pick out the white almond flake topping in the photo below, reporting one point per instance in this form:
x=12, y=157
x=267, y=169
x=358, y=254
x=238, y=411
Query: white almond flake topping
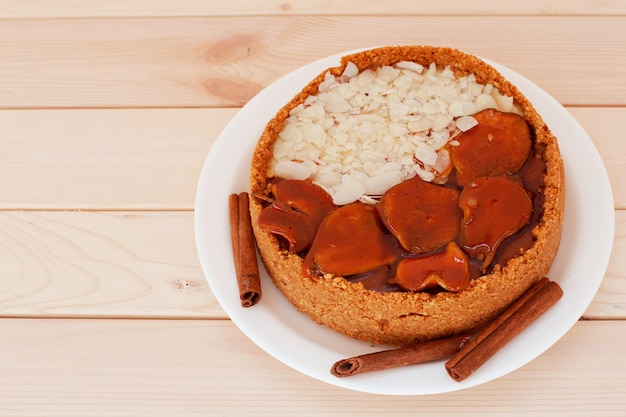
x=365, y=132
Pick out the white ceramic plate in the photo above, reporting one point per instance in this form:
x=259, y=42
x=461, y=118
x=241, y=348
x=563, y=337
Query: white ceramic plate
x=295, y=340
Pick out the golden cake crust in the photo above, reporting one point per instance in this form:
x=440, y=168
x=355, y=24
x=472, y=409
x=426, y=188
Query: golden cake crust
x=402, y=318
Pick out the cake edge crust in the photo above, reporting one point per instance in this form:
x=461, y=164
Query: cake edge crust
x=404, y=318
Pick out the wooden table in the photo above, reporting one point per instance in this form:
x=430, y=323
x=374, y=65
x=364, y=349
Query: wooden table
x=107, y=112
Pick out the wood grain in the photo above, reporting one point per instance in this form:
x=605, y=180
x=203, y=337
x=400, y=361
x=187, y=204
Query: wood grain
x=188, y=368
x=107, y=112
x=224, y=61
x=117, y=264
x=99, y=159
x=145, y=8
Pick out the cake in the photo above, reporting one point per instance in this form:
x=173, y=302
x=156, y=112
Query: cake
x=388, y=123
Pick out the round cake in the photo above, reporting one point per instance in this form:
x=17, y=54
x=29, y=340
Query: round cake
x=408, y=194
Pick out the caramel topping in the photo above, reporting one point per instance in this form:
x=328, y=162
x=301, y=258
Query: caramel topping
x=351, y=241
x=448, y=269
x=493, y=208
x=499, y=144
x=296, y=212
x=421, y=215
x=421, y=235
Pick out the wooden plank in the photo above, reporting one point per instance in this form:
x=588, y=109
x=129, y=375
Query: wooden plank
x=135, y=8
x=137, y=159
x=144, y=264
x=102, y=264
x=133, y=159
x=224, y=61
x=189, y=368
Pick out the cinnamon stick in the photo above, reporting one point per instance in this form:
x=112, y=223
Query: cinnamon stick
x=233, y=208
x=244, y=251
x=393, y=358
x=519, y=315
